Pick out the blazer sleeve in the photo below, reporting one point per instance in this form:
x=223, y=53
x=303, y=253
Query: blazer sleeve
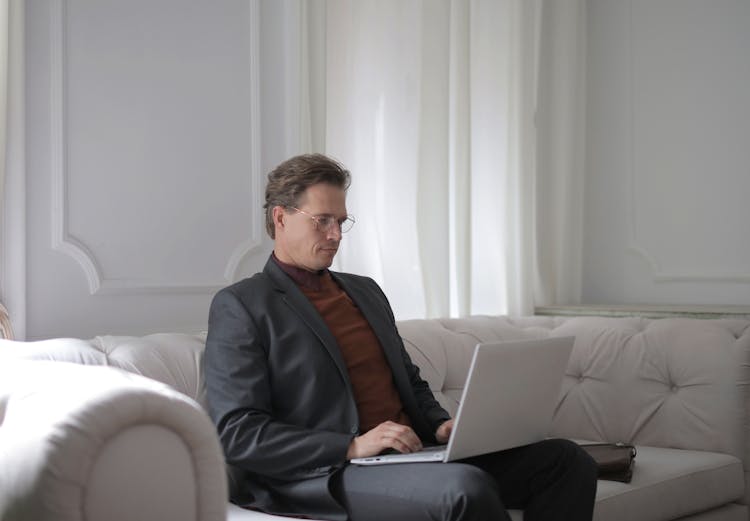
x=240, y=403
x=430, y=408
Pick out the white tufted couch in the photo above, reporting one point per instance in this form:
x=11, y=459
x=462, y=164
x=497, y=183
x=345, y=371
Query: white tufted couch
x=98, y=443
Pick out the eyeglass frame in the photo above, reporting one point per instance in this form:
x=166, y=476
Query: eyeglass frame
x=321, y=226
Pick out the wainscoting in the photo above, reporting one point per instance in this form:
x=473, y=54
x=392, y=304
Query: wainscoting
x=646, y=311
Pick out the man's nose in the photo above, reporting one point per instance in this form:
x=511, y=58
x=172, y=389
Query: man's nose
x=334, y=232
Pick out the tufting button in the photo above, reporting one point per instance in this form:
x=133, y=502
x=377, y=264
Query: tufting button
x=580, y=378
x=674, y=388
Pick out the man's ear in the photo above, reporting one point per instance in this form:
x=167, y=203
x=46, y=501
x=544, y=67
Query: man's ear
x=278, y=214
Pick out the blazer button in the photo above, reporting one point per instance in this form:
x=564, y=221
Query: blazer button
x=354, y=430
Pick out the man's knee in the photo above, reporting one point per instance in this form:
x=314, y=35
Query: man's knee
x=573, y=459
x=580, y=459
x=469, y=493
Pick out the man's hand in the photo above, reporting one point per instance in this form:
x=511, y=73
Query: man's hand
x=443, y=432
x=387, y=435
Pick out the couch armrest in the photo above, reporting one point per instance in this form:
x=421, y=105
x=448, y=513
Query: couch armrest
x=97, y=443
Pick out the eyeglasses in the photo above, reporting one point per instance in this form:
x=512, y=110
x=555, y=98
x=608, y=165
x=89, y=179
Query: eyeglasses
x=325, y=223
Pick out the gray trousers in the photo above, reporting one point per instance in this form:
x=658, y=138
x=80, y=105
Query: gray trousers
x=551, y=480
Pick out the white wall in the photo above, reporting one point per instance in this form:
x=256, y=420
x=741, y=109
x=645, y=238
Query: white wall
x=150, y=125
x=667, y=204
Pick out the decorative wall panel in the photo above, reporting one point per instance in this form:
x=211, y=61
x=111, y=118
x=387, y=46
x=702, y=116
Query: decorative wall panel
x=690, y=147
x=155, y=142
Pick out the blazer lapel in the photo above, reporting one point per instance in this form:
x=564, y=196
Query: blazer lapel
x=379, y=320
x=304, y=309
x=377, y=313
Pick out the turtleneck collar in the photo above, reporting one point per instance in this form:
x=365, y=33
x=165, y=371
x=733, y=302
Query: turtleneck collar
x=302, y=277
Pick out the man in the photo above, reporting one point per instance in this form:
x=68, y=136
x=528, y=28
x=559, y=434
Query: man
x=305, y=370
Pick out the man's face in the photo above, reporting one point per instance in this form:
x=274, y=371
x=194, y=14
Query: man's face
x=300, y=240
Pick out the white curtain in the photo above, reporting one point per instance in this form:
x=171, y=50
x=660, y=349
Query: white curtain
x=4, y=55
x=432, y=105
x=560, y=153
x=12, y=245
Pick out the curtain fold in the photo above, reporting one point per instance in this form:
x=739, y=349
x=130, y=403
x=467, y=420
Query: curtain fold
x=4, y=59
x=433, y=105
x=561, y=155
x=12, y=161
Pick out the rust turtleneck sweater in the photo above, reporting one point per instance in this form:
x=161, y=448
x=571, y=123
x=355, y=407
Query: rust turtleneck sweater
x=369, y=373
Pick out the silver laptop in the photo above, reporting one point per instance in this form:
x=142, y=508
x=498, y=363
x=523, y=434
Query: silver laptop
x=508, y=401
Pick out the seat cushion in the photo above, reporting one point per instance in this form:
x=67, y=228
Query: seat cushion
x=236, y=513
x=667, y=484
x=730, y=512
x=670, y=483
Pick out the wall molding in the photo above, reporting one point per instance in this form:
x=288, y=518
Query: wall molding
x=65, y=242
x=645, y=311
x=659, y=273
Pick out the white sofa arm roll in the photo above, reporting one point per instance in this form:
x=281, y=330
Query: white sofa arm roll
x=96, y=443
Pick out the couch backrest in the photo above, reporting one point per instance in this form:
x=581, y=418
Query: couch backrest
x=172, y=358
x=442, y=348
x=680, y=383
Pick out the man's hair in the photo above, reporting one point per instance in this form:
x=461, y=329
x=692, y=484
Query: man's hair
x=288, y=182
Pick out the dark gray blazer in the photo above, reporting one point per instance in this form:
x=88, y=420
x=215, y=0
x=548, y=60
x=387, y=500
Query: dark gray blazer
x=279, y=392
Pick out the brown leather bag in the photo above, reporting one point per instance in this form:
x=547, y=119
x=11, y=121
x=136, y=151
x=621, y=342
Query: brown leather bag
x=615, y=460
